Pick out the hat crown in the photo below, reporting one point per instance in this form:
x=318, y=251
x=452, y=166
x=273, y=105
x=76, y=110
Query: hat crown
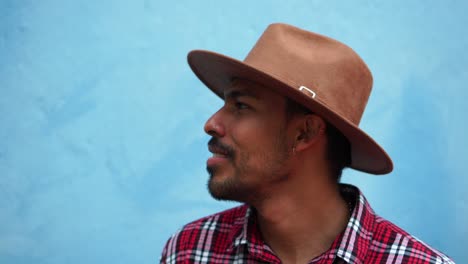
x=330, y=69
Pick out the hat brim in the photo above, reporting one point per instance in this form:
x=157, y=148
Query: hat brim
x=217, y=71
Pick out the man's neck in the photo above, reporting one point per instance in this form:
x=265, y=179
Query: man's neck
x=302, y=224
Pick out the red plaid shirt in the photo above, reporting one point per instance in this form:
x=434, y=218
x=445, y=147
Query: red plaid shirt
x=233, y=236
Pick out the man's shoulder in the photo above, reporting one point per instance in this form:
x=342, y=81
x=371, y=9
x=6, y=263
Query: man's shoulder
x=213, y=232
x=219, y=222
x=393, y=242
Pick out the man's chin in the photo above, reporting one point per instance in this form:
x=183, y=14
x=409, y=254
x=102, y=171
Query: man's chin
x=217, y=189
x=223, y=190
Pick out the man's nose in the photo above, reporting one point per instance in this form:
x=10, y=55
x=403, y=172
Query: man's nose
x=214, y=126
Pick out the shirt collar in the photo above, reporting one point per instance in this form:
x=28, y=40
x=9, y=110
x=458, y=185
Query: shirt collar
x=246, y=233
x=351, y=246
x=356, y=238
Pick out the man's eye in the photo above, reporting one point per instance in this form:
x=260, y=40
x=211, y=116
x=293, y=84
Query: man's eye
x=240, y=105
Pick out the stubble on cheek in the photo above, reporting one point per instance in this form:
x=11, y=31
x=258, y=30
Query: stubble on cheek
x=230, y=186
x=250, y=170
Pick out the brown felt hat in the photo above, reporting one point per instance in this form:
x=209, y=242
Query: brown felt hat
x=320, y=73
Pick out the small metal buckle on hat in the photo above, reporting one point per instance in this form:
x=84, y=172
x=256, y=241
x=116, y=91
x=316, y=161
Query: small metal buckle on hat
x=307, y=91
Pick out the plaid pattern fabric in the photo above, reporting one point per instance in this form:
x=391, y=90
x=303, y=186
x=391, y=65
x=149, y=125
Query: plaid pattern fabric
x=233, y=236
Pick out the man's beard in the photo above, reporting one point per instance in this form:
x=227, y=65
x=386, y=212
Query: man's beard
x=234, y=187
x=228, y=189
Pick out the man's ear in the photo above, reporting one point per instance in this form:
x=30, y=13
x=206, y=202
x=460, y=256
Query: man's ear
x=310, y=129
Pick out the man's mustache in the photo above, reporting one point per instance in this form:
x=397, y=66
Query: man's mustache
x=216, y=143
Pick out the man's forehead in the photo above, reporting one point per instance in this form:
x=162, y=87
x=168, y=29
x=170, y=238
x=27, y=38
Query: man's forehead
x=243, y=87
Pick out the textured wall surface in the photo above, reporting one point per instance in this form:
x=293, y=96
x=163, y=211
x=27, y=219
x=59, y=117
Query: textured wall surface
x=102, y=151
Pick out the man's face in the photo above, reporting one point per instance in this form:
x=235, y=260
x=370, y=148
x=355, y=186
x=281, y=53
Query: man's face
x=249, y=143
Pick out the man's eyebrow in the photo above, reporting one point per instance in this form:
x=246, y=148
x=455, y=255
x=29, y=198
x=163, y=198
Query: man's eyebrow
x=234, y=94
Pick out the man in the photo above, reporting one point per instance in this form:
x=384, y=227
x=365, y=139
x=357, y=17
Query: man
x=288, y=127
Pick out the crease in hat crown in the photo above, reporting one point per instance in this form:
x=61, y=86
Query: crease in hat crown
x=286, y=58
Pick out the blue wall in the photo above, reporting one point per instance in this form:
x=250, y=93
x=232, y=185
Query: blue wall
x=102, y=151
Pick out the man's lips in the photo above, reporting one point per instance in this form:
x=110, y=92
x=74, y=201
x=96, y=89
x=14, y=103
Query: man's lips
x=220, y=155
x=217, y=152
